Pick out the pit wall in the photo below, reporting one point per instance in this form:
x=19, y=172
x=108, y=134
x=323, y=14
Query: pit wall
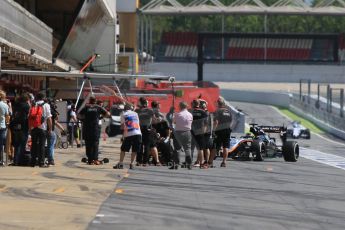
x=324, y=120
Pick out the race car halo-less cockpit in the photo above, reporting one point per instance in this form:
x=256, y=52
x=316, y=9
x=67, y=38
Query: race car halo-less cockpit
x=296, y=130
x=259, y=145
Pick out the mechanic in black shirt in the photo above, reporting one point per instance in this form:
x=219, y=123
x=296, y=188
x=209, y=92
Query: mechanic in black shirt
x=207, y=135
x=145, y=119
x=199, y=126
x=90, y=116
x=222, y=128
x=161, y=127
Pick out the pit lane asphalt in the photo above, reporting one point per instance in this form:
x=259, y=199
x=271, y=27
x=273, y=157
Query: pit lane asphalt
x=246, y=195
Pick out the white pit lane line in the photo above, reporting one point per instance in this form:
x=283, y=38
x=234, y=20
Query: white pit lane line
x=323, y=158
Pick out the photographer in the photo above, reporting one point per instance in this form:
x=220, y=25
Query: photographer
x=161, y=127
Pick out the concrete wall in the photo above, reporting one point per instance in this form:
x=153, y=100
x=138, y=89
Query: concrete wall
x=268, y=98
x=253, y=72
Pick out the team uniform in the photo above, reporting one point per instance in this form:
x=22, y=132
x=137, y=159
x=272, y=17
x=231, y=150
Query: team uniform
x=91, y=114
x=163, y=144
x=198, y=125
x=207, y=135
x=145, y=117
x=131, y=132
x=222, y=130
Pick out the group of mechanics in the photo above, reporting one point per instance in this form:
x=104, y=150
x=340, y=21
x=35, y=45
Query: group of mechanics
x=148, y=133
x=152, y=137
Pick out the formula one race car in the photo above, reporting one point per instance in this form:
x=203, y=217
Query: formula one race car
x=114, y=127
x=261, y=145
x=296, y=130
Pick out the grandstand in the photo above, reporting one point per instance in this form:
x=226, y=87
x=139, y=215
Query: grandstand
x=182, y=47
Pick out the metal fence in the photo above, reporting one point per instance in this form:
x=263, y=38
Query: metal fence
x=320, y=110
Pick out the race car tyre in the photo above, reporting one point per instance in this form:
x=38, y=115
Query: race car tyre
x=258, y=149
x=290, y=151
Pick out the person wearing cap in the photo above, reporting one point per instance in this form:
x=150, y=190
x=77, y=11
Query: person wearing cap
x=131, y=135
x=90, y=116
x=145, y=117
x=182, y=134
x=207, y=135
x=222, y=129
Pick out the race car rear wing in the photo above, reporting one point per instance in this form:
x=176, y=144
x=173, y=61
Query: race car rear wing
x=272, y=129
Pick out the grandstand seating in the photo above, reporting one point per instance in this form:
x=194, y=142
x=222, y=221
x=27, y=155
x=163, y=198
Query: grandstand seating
x=182, y=46
x=276, y=49
x=179, y=44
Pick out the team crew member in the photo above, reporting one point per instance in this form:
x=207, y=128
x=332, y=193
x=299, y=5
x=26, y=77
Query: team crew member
x=145, y=117
x=182, y=134
x=131, y=135
x=198, y=130
x=90, y=115
x=162, y=134
x=207, y=135
x=222, y=122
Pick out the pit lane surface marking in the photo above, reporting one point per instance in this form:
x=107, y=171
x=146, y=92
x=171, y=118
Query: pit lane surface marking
x=323, y=158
